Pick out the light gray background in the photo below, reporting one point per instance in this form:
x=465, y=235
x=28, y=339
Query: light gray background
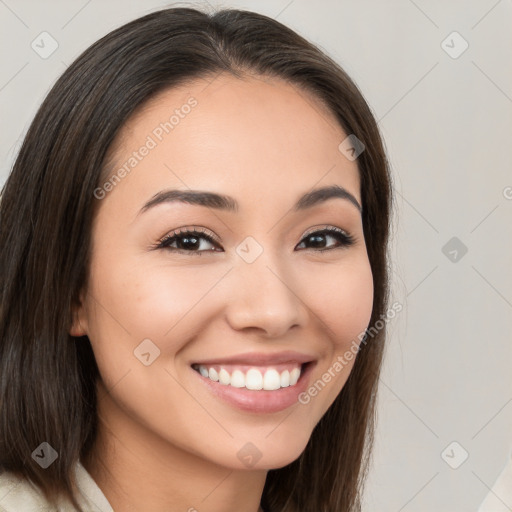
x=447, y=124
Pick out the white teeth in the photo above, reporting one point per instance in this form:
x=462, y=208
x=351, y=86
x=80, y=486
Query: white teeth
x=294, y=376
x=253, y=379
x=238, y=379
x=272, y=380
x=285, y=379
x=224, y=377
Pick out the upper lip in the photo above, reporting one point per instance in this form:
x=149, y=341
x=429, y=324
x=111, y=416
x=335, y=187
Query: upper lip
x=260, y=359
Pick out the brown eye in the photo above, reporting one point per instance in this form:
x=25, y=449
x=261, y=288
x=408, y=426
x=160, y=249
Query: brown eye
x=188, y=241
x=319, y=239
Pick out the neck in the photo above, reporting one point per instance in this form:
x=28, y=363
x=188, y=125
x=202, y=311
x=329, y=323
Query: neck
x=138, y=470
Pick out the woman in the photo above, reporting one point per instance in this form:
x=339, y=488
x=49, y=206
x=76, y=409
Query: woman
x=193, y=255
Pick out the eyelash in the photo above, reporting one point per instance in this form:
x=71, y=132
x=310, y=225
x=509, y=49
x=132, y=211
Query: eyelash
x=345, y=239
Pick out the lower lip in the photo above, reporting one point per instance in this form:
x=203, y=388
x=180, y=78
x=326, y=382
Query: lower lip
x=260, y=401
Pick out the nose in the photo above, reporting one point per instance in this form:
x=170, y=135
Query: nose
x=264, y=299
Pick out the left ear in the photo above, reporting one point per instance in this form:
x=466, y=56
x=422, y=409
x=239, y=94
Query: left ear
x=79, y=323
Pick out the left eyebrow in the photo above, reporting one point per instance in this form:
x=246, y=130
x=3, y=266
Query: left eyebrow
x=228, y=203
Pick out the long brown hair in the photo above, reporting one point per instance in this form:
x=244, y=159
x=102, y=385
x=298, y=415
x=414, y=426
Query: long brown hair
x=47, y=378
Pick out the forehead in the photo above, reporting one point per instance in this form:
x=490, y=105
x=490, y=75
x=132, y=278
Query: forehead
x=253, y=137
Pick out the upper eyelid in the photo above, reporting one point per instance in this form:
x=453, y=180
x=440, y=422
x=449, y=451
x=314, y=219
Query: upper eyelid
x=191, y=229
x=326, y=227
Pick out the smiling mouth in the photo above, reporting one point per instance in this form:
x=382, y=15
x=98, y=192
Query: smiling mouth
x=254, y=378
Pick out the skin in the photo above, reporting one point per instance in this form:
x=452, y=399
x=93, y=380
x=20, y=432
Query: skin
x=165, y=442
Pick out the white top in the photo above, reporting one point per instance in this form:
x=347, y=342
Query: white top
x=18, y=495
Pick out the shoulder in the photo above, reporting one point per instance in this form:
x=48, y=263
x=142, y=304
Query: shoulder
x=18, y=494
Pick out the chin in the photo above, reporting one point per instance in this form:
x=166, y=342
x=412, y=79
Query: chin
x=272, y=452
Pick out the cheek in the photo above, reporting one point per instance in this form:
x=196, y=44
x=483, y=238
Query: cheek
x=146, y=309
x=136, y=302
x=342, y=299
x=149, y=301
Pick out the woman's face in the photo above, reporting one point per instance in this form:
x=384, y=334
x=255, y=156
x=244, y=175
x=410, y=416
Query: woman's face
x=258, y=294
